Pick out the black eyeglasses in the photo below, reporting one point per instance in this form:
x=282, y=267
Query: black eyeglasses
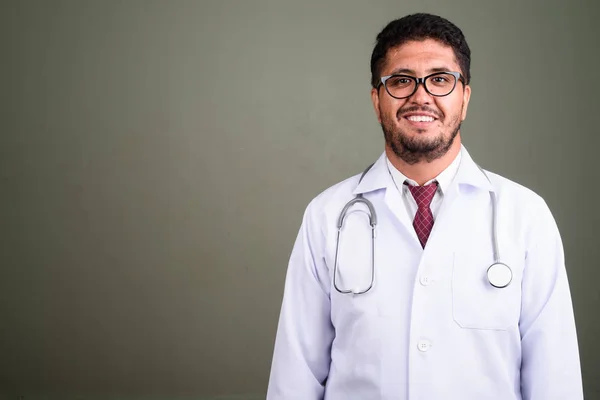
x=438, y=84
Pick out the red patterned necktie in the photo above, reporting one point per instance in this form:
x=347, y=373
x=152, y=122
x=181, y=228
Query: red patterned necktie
x=423, y=222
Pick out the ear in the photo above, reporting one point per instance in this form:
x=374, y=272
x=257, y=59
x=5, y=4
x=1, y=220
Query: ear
x=466, y=98
x=375, y=100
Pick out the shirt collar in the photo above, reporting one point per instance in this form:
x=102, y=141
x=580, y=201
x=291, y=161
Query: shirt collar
x=444, y=179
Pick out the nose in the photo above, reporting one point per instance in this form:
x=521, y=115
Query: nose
x=420, y=96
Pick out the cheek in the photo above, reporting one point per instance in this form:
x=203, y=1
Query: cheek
x=451, y=109
x=389, y=107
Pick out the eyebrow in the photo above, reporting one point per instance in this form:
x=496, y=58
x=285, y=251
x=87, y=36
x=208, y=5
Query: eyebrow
x=411, y=72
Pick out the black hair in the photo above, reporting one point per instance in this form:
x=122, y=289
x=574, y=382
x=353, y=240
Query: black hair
x=420, y=27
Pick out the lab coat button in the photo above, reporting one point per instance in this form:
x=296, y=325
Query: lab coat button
x=426, y=281
x=424, y=345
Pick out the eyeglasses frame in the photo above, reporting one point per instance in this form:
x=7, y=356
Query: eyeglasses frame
x=457, y=75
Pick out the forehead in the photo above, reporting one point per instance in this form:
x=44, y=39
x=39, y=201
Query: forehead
x=420, y=57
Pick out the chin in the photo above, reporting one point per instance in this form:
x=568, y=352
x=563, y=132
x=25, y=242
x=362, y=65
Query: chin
x=422, y=134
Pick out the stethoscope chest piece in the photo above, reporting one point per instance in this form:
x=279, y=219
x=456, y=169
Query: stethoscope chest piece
x=499, y=275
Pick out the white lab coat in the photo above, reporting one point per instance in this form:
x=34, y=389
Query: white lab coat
x=432, y=327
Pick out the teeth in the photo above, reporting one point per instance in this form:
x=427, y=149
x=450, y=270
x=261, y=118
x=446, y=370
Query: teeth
x=420, y=118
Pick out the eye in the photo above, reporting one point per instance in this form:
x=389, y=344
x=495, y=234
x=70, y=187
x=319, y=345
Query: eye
x=399, y=81
x=442, y=81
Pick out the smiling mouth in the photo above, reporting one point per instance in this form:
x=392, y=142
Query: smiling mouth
x=420, y=118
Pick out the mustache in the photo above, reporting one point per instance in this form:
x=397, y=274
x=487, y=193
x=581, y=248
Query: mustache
x=424, y=109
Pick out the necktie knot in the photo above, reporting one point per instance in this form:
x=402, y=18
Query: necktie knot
x=423, y=194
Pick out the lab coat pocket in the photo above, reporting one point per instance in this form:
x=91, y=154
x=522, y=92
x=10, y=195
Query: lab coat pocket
x=476, y=303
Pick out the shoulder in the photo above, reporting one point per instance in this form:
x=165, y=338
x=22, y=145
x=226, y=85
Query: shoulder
x=322, y=212
x=510, y=191
x=522, y=206
x=332, y=198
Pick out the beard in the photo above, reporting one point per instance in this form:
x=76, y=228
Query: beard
x=413, y=149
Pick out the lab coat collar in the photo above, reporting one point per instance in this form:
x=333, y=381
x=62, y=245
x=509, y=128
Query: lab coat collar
x=377, y=177
x=468, y=173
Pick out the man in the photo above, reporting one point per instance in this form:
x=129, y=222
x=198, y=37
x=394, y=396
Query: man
x=414, y=309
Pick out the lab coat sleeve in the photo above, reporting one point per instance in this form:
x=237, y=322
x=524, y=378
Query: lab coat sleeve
x=301, y=356
x=550, y=367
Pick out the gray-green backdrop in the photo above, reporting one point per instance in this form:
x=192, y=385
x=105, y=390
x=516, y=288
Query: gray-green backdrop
x=156, y=158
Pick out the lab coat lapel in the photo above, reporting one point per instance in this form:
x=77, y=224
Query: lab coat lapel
x=394, y=201
x=468, y=174
x=379, y=177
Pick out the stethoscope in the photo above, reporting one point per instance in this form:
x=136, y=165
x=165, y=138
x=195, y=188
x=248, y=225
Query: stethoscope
x=499, y=274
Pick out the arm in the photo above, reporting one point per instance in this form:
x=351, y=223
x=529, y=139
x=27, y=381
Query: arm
x=301, y=356
x=550, y=366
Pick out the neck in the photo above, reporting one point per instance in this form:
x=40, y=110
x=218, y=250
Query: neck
x=424, y=171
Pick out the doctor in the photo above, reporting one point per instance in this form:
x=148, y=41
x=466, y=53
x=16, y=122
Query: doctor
x=401, y=301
